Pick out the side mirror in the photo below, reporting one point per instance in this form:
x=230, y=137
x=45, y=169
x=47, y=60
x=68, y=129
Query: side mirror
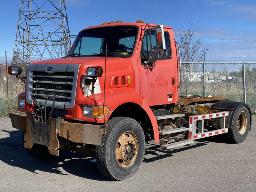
x=156, y=44
x=14, y=70
x=160, y=37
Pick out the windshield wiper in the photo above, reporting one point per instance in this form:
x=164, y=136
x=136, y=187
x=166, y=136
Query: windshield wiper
x=74, y=55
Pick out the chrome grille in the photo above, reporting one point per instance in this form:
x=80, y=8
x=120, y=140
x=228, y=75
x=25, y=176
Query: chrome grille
x=56, y=89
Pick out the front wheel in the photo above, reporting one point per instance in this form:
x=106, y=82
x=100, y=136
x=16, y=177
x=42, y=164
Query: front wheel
x=239, y=124
x=122, y=149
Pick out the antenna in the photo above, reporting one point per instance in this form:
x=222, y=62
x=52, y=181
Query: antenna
x=105, y=79
x=42, y=31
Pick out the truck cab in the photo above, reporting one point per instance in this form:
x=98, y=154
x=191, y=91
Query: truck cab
x=116, y=89
x=118, y=53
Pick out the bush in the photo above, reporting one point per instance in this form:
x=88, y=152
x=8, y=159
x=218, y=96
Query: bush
x=7, y=105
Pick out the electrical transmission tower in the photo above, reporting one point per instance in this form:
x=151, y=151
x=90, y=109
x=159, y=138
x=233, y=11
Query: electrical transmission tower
x=42, y=30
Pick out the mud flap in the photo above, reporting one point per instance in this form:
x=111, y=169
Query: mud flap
x=43, y=133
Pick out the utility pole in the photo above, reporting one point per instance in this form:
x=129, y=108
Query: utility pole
x=42, y=31
x=7, y=79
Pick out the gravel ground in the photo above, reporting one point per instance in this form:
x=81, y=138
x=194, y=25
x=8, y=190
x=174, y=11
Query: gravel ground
x=210, y=165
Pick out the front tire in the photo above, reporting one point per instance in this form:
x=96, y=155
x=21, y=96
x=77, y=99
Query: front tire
x=239, y=124
x=122, y=149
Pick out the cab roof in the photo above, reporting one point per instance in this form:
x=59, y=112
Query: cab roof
x=138, y=23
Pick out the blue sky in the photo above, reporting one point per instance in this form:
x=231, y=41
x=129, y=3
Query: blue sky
x=226, y=27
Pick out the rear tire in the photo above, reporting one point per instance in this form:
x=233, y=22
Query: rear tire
x=122, y=149
x=239, y=124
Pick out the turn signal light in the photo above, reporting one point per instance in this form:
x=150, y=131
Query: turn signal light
x=100, y=111
x=95, y=111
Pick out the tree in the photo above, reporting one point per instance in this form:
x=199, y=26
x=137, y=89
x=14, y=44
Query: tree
x=191, y=50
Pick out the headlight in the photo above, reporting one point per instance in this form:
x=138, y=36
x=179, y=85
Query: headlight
x=87, y=110
x=95, y=111
x=86, y=85
x=21, y=104
x=90, y=85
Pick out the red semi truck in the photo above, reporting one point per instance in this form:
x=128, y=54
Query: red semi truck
x=116, y=90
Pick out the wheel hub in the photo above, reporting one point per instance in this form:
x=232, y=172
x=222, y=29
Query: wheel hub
x=242, y=123
x=126, y=149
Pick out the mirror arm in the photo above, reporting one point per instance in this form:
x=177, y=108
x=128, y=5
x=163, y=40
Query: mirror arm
x=143, y=29
x=23, y=79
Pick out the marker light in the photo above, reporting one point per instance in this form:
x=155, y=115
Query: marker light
x=94, y=71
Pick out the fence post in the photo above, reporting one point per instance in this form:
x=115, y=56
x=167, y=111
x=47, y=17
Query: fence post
x=244, y=83
x=7, y=80
x=204, y=94
x=187, y=76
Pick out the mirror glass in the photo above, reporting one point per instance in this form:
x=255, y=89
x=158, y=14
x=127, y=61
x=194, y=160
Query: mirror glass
x=14, y=70
x=161, y=37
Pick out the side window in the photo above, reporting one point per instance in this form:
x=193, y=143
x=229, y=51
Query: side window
x=168, y=52
x=150, y=41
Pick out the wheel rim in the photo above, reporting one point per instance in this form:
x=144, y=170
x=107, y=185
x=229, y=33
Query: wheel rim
x=242, y=123
x=127, y=148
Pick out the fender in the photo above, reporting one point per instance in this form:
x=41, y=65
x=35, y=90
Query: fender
x=117, y=98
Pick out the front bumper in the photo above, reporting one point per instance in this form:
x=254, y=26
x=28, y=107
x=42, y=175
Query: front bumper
x=48, y=133
x=18, y=120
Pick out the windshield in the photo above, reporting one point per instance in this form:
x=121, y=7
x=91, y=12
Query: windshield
x=119, y=42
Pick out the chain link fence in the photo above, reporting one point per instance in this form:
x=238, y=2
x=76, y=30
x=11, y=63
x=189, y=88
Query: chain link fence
x=232, y=80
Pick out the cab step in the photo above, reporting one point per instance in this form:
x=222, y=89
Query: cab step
x=177, y=144
x=171, y=116
x=171, y=131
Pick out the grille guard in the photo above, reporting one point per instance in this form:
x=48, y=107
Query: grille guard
x=50, y=70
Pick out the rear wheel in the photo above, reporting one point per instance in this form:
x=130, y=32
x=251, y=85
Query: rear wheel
x=122, y=149
x=239, y=124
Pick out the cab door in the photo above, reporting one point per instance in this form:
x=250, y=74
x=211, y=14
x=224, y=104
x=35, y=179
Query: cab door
x=158, y=79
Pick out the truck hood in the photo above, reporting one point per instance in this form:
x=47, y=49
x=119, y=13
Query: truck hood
x=86, y=61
